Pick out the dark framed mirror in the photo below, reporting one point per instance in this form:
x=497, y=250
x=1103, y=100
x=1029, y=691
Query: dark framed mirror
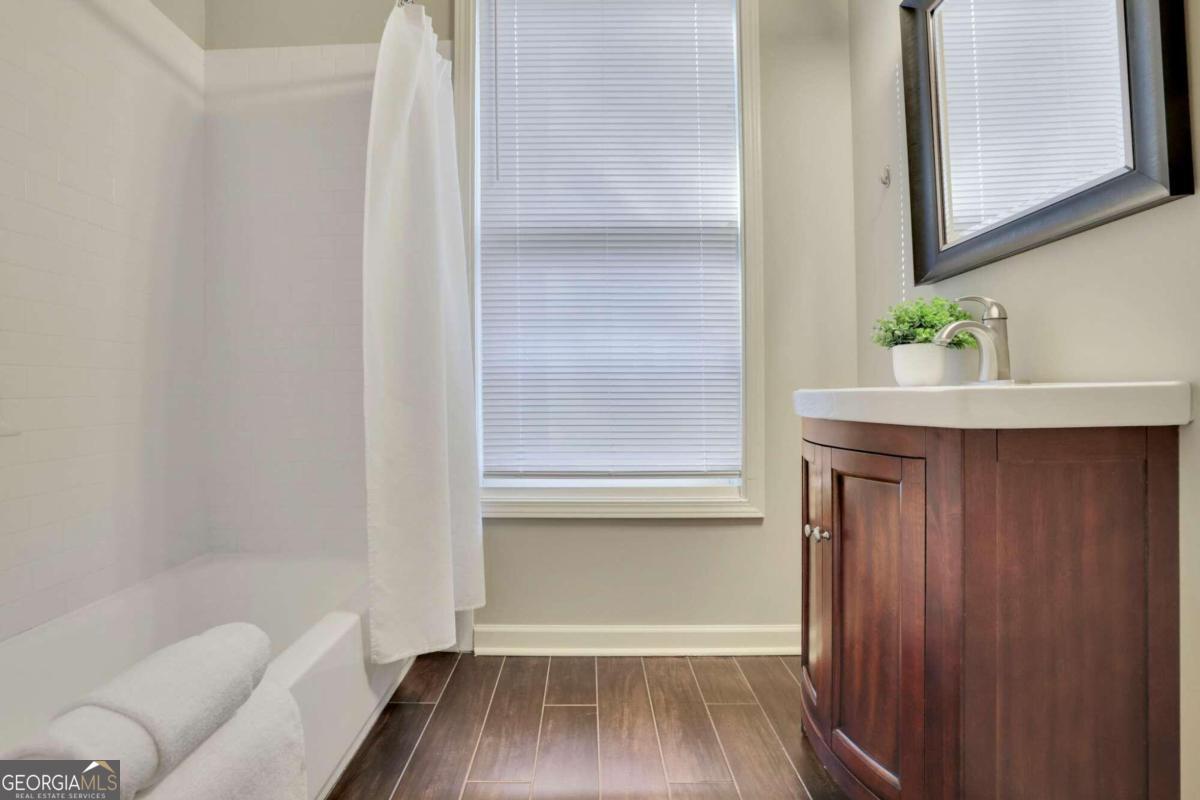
x=1032, y=120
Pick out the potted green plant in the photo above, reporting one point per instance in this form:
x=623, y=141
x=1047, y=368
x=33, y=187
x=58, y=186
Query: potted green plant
x=908, y=330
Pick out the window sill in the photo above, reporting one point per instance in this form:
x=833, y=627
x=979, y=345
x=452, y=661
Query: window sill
x=616, y=504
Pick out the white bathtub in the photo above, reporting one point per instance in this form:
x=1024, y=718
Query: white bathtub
x=312, y=608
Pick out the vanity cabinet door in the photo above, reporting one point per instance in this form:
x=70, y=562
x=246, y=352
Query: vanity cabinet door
x=1072, y=548
x=878, y=554
x=817, y=623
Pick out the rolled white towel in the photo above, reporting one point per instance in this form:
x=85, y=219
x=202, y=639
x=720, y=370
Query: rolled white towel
x=184, y=692
x=258, y=754
x=160, y=709
x=89, y=732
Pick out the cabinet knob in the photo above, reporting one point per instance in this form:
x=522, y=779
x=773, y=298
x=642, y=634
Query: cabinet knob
x=816, y=533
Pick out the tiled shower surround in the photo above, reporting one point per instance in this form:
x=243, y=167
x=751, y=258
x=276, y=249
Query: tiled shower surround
x=286, y=148
x=101, y=319
x=180, y=309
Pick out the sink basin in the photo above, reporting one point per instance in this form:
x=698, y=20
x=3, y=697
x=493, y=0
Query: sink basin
x=1012, y=405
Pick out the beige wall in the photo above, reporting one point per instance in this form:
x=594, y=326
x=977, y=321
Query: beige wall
x=680, y=573
x=187, y=14
x=283, y=23
x=1118, y=302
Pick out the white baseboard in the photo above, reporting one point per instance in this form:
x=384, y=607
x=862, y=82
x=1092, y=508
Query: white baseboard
x=637, y=640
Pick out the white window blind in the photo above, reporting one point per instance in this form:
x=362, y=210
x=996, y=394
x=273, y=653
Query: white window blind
x=609, y=238
x=1032, y=105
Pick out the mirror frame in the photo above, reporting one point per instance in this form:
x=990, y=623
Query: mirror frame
x=1156, y=45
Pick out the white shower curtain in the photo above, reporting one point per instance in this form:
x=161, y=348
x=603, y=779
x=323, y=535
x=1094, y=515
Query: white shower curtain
x=423, y=514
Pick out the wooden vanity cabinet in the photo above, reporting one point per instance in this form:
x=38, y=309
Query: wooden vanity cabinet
x=993, y=614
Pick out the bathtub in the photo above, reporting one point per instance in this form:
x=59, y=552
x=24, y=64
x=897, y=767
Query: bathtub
x=312, y=608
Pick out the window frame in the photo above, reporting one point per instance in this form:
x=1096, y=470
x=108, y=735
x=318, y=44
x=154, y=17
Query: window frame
x=745, y=501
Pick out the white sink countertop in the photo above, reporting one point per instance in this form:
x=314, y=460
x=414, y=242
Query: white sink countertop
x=1014, y=405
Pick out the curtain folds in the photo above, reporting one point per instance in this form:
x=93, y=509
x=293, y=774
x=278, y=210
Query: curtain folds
x=423, y=510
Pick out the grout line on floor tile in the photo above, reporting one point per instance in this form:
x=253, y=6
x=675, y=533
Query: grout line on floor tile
x=795, y=677
x=713, y=724
x=537, y=747
x=771, y=725
x=654, y=718
x=475, y=750
x=424, y=727
x=442, y=691
x=514, y=782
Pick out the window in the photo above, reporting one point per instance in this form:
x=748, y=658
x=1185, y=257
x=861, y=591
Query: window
x=610, y=248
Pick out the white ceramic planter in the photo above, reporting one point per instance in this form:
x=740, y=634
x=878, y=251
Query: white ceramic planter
x=920, y=364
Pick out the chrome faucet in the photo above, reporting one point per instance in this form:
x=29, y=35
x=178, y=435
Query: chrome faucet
x=992, y=335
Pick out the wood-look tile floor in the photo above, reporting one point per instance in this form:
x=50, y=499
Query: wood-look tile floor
x=494, y=728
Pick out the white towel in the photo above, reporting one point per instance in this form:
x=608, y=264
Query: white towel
x=258, y=754
x=89, y=732
x=161, y=709
x=184, y=692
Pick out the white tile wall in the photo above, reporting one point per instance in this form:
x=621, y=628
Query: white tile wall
x=180, y=300
x=101, y=301
x=286, y=147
